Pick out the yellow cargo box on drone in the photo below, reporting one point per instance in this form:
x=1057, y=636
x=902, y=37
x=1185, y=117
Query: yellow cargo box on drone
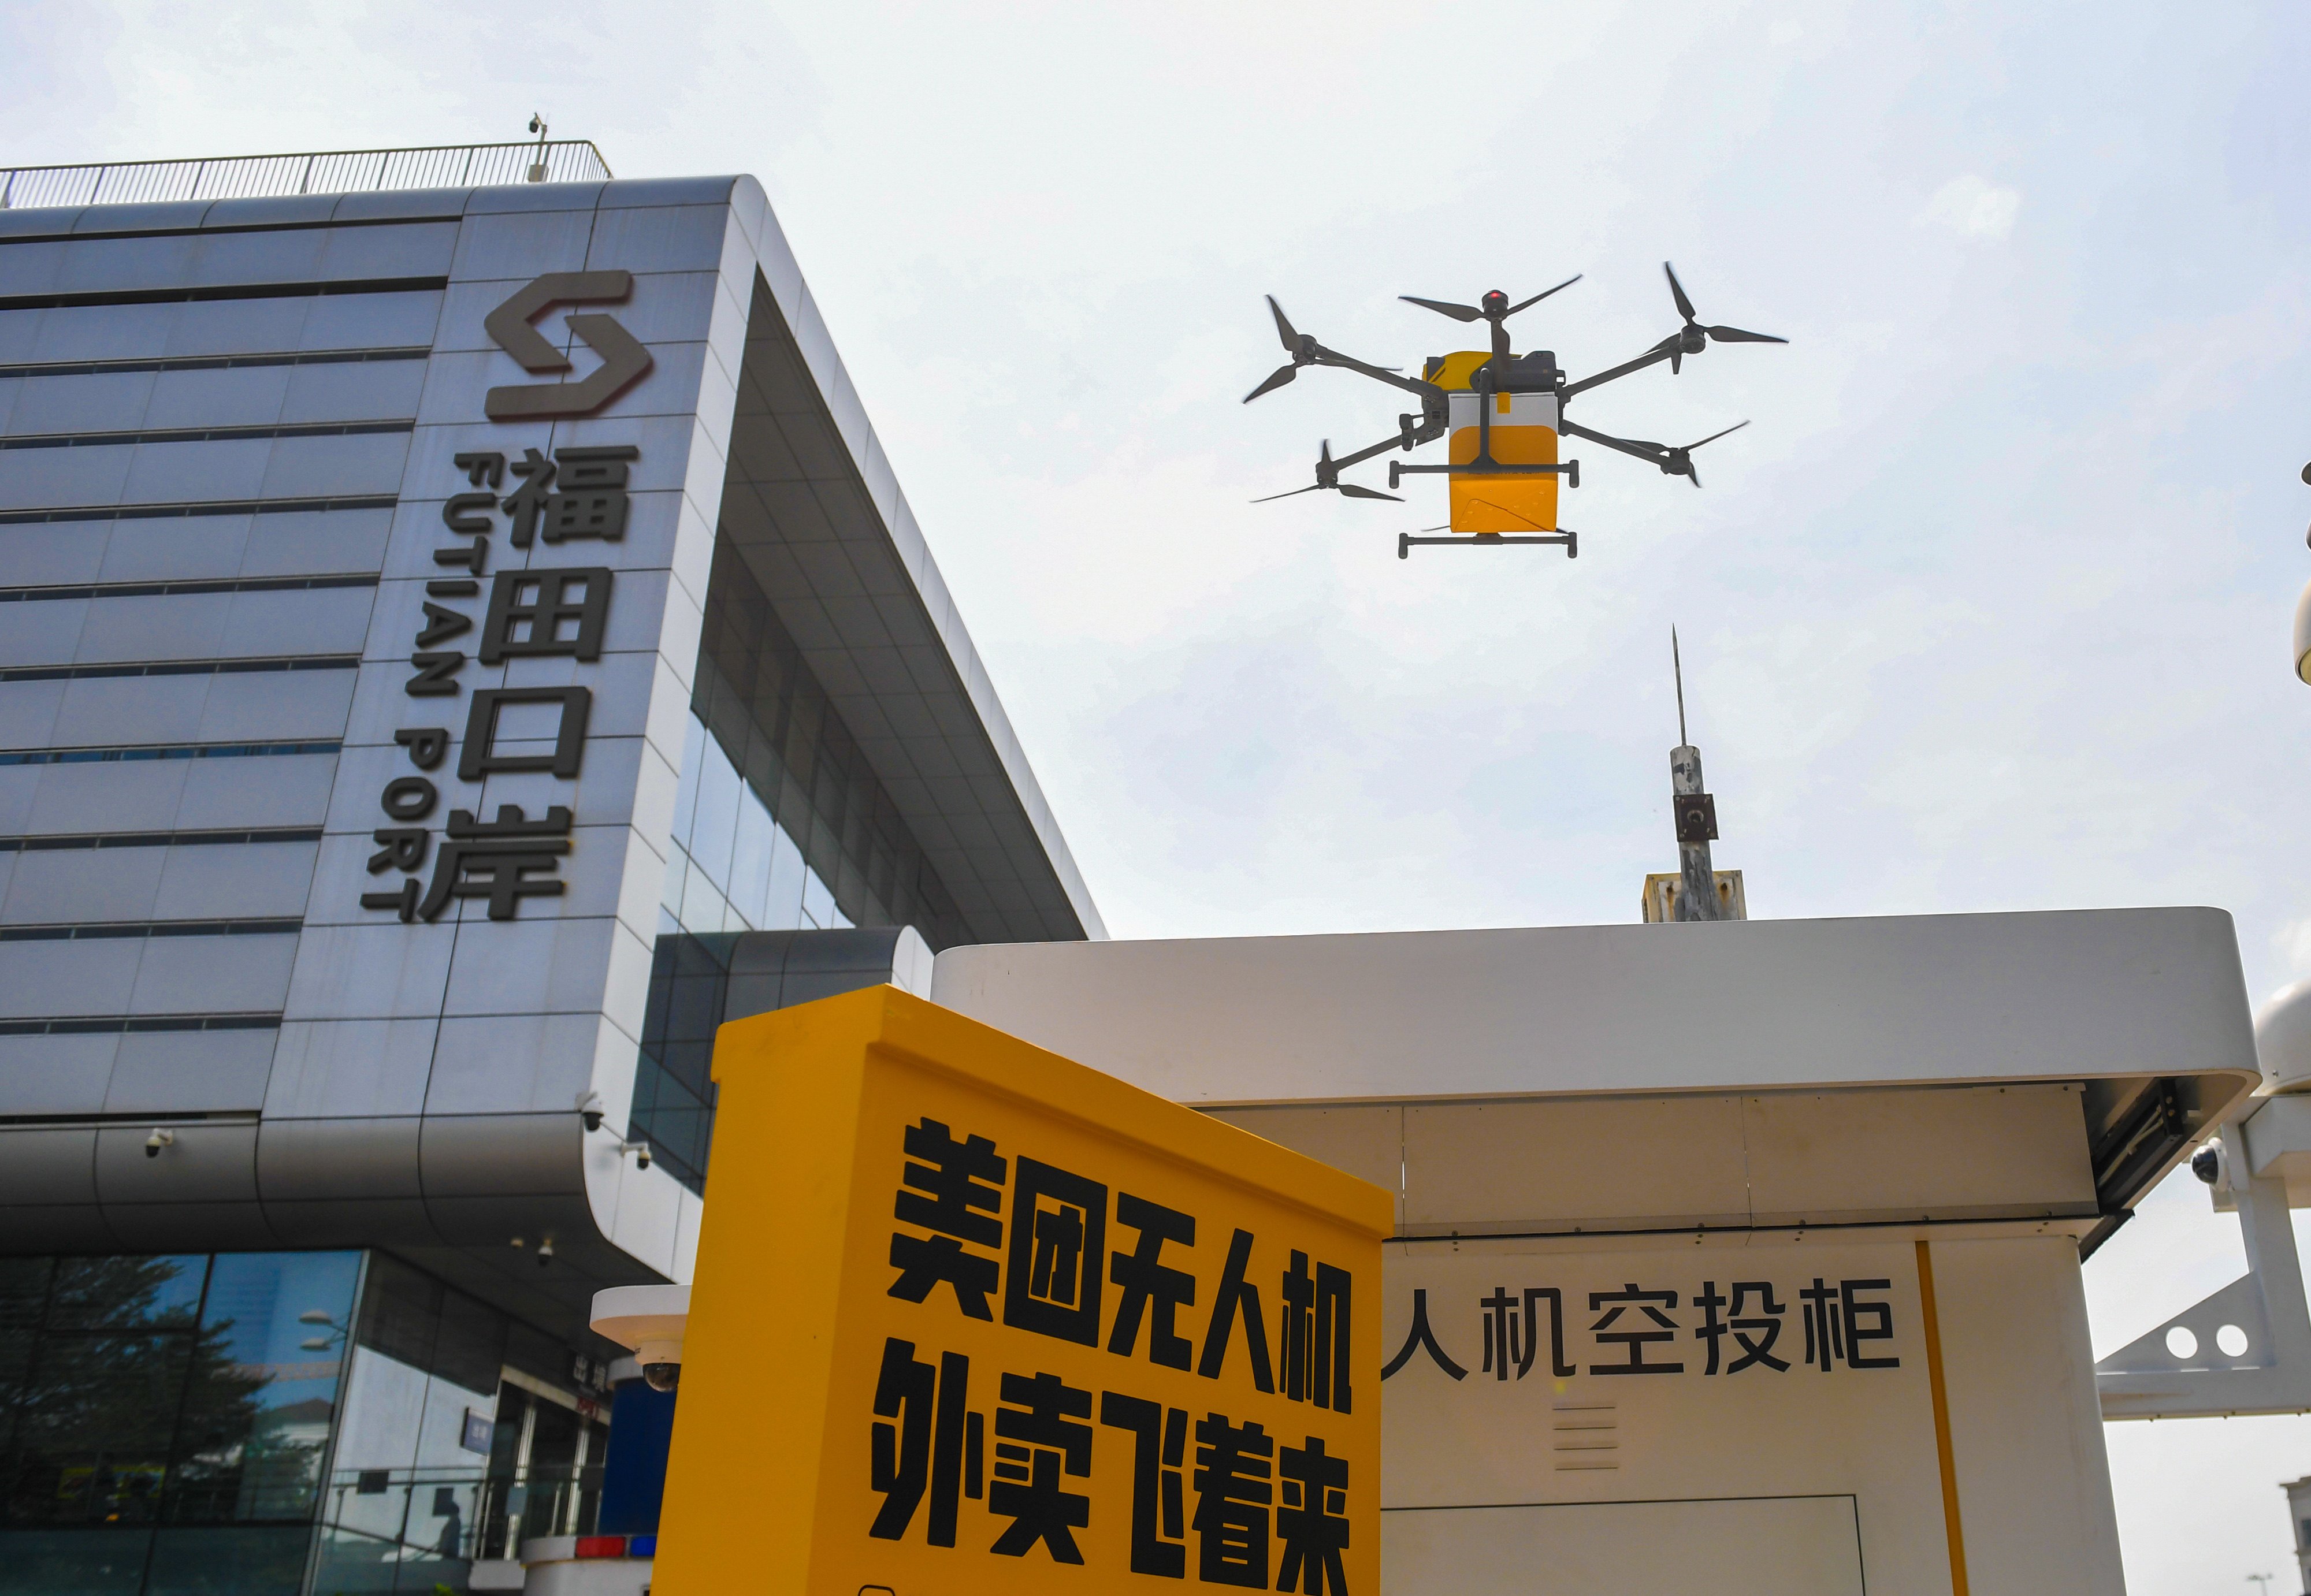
x=1035, y=1330
x=1521, y=431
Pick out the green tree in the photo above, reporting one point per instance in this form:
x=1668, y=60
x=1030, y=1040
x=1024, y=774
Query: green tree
x=119, y=1360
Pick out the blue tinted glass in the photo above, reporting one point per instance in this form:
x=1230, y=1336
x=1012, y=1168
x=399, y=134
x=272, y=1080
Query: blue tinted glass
x=286, y=1310
x=126, y=1292
x=257, y=1425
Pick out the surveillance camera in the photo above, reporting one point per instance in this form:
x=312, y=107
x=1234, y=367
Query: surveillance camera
x=2207, y=1164
x=161, y=1138
x=545, y=1252
x=537, y=123
x=589, y=1110
x=593, y=1117
x=641, y=1152
x=650, y=1320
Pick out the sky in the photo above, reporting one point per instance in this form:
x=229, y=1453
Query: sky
x=1986, y=609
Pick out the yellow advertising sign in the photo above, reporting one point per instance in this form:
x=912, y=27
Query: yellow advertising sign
x=970, y=1317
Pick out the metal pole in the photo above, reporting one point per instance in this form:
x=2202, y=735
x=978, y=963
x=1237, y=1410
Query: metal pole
x=1698, y=899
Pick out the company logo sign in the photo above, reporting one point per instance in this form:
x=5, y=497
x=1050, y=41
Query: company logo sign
x=510, y=325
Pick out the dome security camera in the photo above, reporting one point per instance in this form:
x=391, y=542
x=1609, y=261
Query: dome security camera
x=161, y=1137
x=2207, y=1164
x=650, y=1319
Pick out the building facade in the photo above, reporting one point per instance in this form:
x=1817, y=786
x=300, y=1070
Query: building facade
x=458, y=643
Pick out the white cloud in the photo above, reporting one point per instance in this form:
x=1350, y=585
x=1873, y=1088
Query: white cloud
x=1974, y=207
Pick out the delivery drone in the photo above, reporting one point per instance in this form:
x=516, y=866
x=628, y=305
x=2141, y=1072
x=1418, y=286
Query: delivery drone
x=1503, y=413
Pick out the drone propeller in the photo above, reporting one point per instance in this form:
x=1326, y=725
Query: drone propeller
x=1693, y=337
x=1457, y=312
x=1328, y=477
x=1491, y=311
x=1680, y=461
x=1301, y=347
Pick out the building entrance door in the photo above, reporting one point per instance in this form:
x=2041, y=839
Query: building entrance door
x=545, y=1468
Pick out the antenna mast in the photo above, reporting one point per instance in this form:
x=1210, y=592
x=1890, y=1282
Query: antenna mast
x=1678, y=664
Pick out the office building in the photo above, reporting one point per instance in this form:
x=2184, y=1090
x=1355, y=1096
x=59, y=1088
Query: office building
x=460, y=637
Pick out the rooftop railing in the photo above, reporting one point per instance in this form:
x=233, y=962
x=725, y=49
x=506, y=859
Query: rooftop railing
x=331, y=171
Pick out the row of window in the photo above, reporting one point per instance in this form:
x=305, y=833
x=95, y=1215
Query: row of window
x=733, y=868
x=178, y=1389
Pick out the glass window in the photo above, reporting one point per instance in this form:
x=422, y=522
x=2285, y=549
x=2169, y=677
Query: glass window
x=817, y=902
x=99, y=1349
x=715, y=828
x=95, y=1424
x=471, y=1349
x=109, y=1562
x=166, y=1419
x=172, y=1390
x=750, y=861
x=400, y=1311
x=782, y=904
x=237, y=1560
x=686, y=792
x=255, y=1426
x=673, y=1090
x=755, y=695
x=537, y=1354
x=703, y=907
x=23, y=1292
x=126, y=1292
x=23, y=1298
x=677, y=871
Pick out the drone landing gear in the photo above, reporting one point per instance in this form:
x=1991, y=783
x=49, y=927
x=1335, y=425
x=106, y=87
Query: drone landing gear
x=1406, y=541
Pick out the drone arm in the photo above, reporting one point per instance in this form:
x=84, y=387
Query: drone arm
x=1411, y=385
x=1652, y=452
x=1651, y=357
x=1392, y=441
